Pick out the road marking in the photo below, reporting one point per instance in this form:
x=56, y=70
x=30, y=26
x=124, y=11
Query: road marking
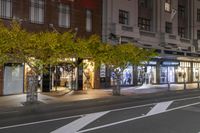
x=159, y=108
x=78, y=124
x=39, y=122
x=113, y=110
x=132, y=119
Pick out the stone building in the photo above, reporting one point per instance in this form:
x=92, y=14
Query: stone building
x=81, y=16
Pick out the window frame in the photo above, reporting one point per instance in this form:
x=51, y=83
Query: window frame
x=144, y=24
x=182, y=32
x=198, y=34
x=168, y=6
x=66, y=10
x=181, y=11
x=168, y=27
x=89, y=20
x=123, y=17
x=36, y=7
x=198, y=14
x=3, y=11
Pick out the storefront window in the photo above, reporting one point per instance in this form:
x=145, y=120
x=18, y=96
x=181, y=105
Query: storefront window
x=88, y=75
x=126, y=77
x=141, y=75
x=146, y=75
x=151, y=74
x=183, y=72
x=196, y=72
x=63, y=77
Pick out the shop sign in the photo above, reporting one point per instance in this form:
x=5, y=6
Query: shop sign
x=170, y=63
x=103, y=71
x=152, y=63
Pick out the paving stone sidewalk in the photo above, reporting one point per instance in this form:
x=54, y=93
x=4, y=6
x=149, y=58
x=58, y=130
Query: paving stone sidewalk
x=70, y=96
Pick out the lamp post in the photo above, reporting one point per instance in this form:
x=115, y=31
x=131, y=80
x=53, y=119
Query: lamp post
x=184, y=79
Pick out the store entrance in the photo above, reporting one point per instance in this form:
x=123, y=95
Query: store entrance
x=63, y=77
x=167, y=74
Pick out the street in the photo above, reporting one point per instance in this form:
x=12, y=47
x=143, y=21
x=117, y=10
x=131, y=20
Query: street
x=170, y=116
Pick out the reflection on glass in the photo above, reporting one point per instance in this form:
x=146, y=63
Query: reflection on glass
x=167, y=74
x=63, y=76
x=182, y=74
x=126, y=76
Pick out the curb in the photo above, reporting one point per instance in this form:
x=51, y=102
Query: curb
x=75, y=106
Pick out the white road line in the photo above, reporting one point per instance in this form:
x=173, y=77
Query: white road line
x=136, y=118
x=159, y=108
x=38, y=122
x=78, y=124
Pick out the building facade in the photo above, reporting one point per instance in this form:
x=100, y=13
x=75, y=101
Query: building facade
x=81, y=16
x=171, y=27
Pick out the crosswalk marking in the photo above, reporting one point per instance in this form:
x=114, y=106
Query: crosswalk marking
x=78, y=124
x=159, y=108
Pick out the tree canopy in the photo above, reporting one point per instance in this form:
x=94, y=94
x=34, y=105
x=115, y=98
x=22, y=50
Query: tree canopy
x=41, y=49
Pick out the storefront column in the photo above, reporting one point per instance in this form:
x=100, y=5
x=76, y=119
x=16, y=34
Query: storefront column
x=46, y=81
x=97, y=79
x=102, y=76
x=158, y=72
x=80, y=78
x=135, y=75
x=1, y=81
x=107, y=80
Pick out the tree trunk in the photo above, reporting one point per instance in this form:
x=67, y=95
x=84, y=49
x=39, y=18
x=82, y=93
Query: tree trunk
x=117, y=88
x=32, y=95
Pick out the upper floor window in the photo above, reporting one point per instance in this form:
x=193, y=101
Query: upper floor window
x=64, y=16
x=198, y=34
x=144, y=24
x=198, y=14
x=181, y=11
x=123, y=17
x=168, y=5
x=88, y=20
x=145, y=3
x=37, y=11
x=168, y=27
x=181, y=32
x=5, y=8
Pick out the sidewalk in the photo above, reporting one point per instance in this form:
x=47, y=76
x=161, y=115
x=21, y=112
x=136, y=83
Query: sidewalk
x=73, y=96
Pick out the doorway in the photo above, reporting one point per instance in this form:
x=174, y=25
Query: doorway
x=167, y=74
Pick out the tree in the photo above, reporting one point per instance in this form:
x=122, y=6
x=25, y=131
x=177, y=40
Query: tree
x=119, y=57
x=38, y=50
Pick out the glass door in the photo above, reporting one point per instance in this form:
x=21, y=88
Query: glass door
x=167, y=74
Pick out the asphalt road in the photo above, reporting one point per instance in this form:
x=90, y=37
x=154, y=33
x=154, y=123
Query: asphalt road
x=170, y=116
